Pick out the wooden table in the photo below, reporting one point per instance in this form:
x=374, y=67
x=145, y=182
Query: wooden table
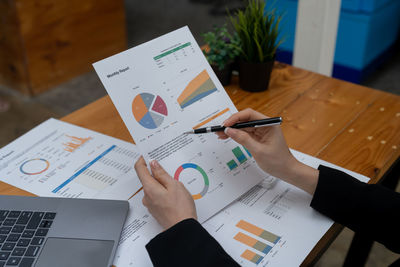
x=352, y=126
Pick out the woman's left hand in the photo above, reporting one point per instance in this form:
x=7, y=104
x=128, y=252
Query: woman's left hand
x=167, y=199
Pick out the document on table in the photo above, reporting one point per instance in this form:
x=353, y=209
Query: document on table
x=58, y=159
x=270, y=225
x=140, y=227
x=273, y=226
x=165, y=87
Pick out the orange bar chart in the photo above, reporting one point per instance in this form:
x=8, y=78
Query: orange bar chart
x=75, y=142
x=251, y=256
x=211, y=118
x=255, y=230
x=252, y=242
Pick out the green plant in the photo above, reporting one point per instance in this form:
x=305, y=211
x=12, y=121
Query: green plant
x=222, y=48
x=258, y=31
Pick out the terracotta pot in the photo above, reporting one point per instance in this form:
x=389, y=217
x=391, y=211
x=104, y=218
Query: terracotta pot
x=224, y=75
x=254, y=77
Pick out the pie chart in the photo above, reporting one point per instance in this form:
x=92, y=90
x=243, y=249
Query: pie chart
x=149, y=110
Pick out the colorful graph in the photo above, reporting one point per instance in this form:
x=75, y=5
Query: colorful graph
x=248, y=152
x=34, y=166
x=232, y=164
x=254, y=243
x=211, y=118
x=149, y=110
x=255, y=230
x=202, y=172
x=74, y=143
x=198, y=88
x=251, y=256
x=239, y=155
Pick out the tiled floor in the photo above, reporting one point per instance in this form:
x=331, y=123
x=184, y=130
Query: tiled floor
x=145, y=21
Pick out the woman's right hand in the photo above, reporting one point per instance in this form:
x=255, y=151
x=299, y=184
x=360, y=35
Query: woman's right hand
x=269, y=149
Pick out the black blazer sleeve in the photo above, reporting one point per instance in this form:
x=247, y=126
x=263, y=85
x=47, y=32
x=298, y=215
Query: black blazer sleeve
x=187, y=244
x=370, y=209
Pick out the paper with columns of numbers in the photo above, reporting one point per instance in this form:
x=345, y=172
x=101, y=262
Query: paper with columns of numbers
x=165, y=87
x=271, y=225
x=58, y=159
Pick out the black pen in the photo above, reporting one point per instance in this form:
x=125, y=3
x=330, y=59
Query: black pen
x=240, y=125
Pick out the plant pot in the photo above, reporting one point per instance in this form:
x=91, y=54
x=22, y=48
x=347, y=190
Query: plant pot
x=224, y=75
x=254, y=77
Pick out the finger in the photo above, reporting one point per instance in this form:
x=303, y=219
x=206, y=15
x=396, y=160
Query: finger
x=145, y=202
x=242, y=137
x=144, y=175
x=160, y=174
x=221, y=135
x=246, y=115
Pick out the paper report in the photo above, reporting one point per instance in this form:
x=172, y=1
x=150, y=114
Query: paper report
x=165, y=87
x=58, y=159
x=271, y=225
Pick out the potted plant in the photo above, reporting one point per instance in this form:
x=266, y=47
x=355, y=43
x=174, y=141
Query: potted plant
x=258, y=32
x=221, y=51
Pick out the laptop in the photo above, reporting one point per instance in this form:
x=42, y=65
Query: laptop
x=41, y=231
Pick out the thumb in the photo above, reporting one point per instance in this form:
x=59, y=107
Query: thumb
x=160, y=174
x=242, y=137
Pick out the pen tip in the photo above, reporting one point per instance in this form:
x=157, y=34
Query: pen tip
x=188, y=132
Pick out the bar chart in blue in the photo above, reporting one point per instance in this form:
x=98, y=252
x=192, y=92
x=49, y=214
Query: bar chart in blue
x=239, y=156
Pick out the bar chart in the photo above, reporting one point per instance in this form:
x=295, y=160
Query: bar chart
x=74, y=143
x=255, y=230
x=257, y=239
x=251, y=256
x=240, y=157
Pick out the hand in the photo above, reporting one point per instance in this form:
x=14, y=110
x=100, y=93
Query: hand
x=269, y=149
x=167, y=199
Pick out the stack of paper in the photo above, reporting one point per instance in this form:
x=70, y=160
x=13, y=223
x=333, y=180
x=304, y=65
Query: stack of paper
x=162, y=89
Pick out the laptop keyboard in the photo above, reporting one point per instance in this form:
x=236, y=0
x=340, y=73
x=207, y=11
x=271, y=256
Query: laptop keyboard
x=22, y=234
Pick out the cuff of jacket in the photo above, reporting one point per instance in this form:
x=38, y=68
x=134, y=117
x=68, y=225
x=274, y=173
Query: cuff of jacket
x=335, y=194
x=187, y=243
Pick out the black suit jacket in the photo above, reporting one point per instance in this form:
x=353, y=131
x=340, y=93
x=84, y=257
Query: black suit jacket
x=370, y=209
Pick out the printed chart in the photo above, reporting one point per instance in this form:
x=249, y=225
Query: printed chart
x=74, y=143
x=260, y=240
x=202, y=173
x=240, y=157
x=257, y=231
x=34, y=166
x=149, y=110
x=68, y=161
x=198, y=88
x=211, y=118
x=169, y=89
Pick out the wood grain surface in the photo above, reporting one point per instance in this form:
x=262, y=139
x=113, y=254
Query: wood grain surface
x=13, y=67
x=57, y=40
x=352, y=126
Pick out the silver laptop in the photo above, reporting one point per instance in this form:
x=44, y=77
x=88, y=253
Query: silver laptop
x=39, y=231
